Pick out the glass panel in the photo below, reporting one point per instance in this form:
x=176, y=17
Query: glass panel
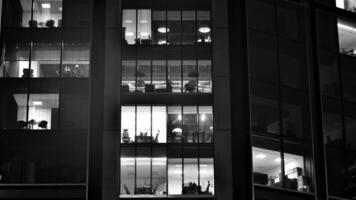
x=76, y=52
x=263, y=57
x=43, y=111
x=129, y=26
x=159, y=27
x=75, y=69
x=17, y=69
x=206, y=175
x=143, y=75
x=46, y=68
x=174, y=27
x=17, y=13
x=74, y=105
x=17, y=112
x=159, y=76
x=190, y=124
x=175, y=75
x=159, y=128
x=143, y=176
x=128, y=76
x=264, y=108
x=350, y=126
x=295, y=178
x=204, y=27
x=267, y=15
x=144, y=26
x=143, y=131
x=175, y=176
x=266, y=167
x=329, y=76
x=174, y=124
x=17, y=44
x=43, y=51
x=349, y=5
x=205, y=124
x=190, y=172
x=127, y=176
x=348, y=77
x=128, y=125
x=334, y=147
x=47, y=13
x=347, y=37
x=188, y=27
x=295, y=115
x=159, y=176
x=204, y=72
x=190, y=75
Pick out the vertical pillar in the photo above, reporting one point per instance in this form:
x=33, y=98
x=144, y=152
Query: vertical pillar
x=96, y=118
x=240, y=117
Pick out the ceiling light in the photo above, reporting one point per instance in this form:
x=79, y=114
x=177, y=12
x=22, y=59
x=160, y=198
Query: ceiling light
x=204, y=29
x=202, y=117
x=129, y=21
x=46, y=5
x=76, y=65
x=277, y=160
x=144, y=34
x=129, y=33
x=37, y=103
x=143, y=21
x=60, y=9
x=180, y=117
x=161, y=42
x=261, y=156
x=163, y=29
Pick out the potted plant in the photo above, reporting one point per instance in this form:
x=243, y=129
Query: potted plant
x=33, y=23
x=50, y=23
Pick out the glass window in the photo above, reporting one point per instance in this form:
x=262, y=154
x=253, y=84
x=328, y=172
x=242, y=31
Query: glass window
x=174, y=29
x=159, y=175
x=328, y=73
x=144, y=33
x=266, y=167
x=175, y=124
x=159, y=27
x=128, y=123
x=143, y=130
x=47, y=13
x=175, y=176
x=127, y=176
x=42, y=111
x=347, y=37
x=143, y=176
x=205, y=84
x=17, y=69
x=263, y=57
x=45, y=60
x=206, y=175
x=159, y=76
x=159, y=128
x=143, y=75
x=205, y=124
x=204, y=27
x=129, y=26
x=191, y=184
x=349, y=5
x=74, y=104
x=190, y=76
x=189, y=27
x=190, y=124
x=128, y=76
x=17, y=13
x=264, y=108
x=175, y=75
x=75, y=60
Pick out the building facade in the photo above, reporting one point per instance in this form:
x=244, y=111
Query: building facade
x=168, y=99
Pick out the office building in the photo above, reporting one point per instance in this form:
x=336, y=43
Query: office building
x=178, y=99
